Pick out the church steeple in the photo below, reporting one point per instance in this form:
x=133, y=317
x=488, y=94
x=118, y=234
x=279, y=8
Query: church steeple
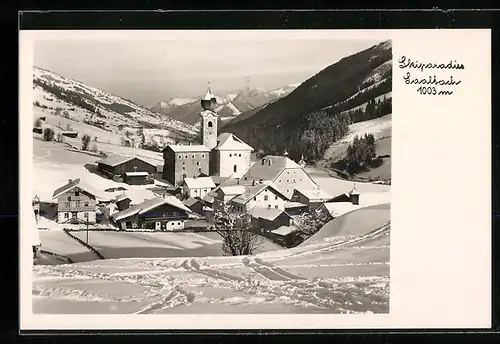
x=209, y=102
x=209, y=119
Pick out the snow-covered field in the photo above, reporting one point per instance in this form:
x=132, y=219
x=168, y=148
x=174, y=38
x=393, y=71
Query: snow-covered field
x=348, y=275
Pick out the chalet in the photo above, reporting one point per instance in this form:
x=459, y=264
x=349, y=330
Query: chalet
x=138, y=178
x=118, y=165
x=197, y=186
x=75, y=203
x=312, y=197
x=288, y=236
x=263, y=195
x=122, y=202
x=226, y=193
x=269, y=219
x=182, y=162
x=286, y=174
x=351, y=196
x=197, y=206
x=161, y=214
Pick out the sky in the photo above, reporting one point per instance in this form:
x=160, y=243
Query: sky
x=149, y=71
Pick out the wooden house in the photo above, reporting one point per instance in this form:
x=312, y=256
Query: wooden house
x=159, y=214
x=263, y=195
x=75, y=203
x=312, y=197
x=119, y=165
x=269, y=219
x=351, y=196
x=196, y=205
x=122, y=202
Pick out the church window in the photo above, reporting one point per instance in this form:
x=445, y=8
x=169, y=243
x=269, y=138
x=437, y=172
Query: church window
x=276, y=206
x=230, y=155
x=179, y=157
x=239, y=155
x=186, y=156
x=198, y=163
x=199, y=169
x=268, y=206
x=192, y=156
x=255, y=198
x=235, y=168
x=276, y=197
x=203, y=156
x=210, y=124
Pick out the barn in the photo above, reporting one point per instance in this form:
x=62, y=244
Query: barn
x=132, y=169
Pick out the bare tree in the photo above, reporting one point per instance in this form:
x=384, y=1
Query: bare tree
x=85, y=142
x=310, y=222
x=235, y=231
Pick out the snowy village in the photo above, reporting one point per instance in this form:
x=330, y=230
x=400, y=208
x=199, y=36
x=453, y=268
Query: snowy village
x=204, y=217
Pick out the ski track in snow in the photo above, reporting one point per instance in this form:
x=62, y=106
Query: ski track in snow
x=268, y=282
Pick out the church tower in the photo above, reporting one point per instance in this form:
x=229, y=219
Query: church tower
x=208, y=123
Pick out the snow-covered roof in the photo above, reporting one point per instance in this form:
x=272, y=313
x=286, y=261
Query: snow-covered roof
x=295, y=205
x=269, y=168
x=136, y=174
x=72, y=184
x=233, y=189
x=208, y=199
x=285, y=230
x=121, y=197
x=208, y=95
x=116, y=159
x=199, y=182
x=190, y=201
x=253, y=190
x=266, y=213
x=228, y=141
x=315, y=194
x=187, y=148
x=149, y=205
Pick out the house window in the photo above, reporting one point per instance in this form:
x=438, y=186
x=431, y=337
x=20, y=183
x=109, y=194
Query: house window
x=230, y=155
x=86, y=204
x=77, y=193
x=255, y=198
x=183, y=167
x=176, y=214
x=186, y=156
x=199, y=169
x=276, y=197
x=287, y=172
x=239, y=155
x=198, y=163
x=69, y=198
x=195, y=192
x=179, y=156
x=268, y=206
x=265, y=197
x=300, y=179
x=178, y=223
x=294, y=180
x=77, y=204
x=66, y=204
x=86, y=214
x=287, y=190
x=279, y=180
x=210, y=124
x=66, y=215
x=192, y=156
x=288, y=180
x=276, y=206
x=235, y=168
x=203, y=156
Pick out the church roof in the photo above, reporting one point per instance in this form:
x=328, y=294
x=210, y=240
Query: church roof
x=208, y=95
x=228, y=141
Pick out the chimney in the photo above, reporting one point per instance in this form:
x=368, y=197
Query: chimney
x=263, y=161
x=270, y=162
x=260, y=180
x=253, y=182
x=70, y=180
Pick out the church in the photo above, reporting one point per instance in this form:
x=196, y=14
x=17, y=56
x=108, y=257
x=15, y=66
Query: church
x=223, y=155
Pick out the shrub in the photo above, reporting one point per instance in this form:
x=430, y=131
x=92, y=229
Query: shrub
x=48, y=134
x=85, y=142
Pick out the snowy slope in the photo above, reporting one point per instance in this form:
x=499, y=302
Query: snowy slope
x=50, y=88
x=346, y=275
